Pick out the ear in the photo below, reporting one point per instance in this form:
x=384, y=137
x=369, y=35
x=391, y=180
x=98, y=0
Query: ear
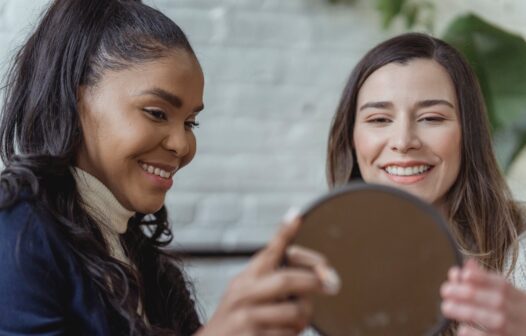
x=81, y=95
x=84, y=108
x=84, y=97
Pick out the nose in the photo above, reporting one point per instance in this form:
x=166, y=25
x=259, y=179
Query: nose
x=176, y=141
x=404, y=138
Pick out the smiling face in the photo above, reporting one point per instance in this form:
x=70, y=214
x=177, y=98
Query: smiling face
x=137, y=126
x=407, y=131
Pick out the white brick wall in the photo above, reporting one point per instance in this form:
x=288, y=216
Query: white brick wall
x=274, y=71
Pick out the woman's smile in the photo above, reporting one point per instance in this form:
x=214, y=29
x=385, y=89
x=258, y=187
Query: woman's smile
x=407, y=172
x=159, y=174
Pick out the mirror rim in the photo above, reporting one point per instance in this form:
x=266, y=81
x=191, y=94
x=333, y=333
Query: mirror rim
x=430, y=210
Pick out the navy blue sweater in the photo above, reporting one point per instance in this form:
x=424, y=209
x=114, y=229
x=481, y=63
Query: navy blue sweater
x=43, y=289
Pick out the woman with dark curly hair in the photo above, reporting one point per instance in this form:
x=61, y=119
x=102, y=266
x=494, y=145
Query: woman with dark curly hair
x=101, y=102
x=412, y=116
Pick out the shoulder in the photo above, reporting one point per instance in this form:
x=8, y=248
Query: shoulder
x=31, y=248
x=33, y=286
x=43, y=288
x=27, y=233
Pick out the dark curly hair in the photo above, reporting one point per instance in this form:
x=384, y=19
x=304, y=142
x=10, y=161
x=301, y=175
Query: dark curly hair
x=73, y=44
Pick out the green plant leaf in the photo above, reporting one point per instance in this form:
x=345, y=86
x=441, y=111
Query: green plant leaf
x=411, y=15
x=499, y=59
x=389, y=10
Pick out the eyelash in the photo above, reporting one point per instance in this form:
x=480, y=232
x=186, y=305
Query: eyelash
x=192, y=124
x=160, y=115
x=386, y=120
x=378, y=120
x=156, y=114
x=435, y=119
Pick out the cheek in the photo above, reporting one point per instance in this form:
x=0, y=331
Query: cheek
x=448, y=146
x=94, y=140
x=366, y=146
x=455, y=157
x=192, y=149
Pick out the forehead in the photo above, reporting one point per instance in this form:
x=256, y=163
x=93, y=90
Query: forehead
x=177, y=70
x=418, y=79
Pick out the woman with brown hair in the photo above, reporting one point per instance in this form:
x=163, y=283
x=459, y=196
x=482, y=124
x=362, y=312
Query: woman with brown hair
x=412, y=116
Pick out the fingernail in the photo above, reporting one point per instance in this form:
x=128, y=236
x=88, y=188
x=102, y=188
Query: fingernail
x=291, y=214
x=331, y=281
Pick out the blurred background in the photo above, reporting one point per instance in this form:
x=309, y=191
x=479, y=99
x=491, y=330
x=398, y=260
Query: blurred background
x=274, y=71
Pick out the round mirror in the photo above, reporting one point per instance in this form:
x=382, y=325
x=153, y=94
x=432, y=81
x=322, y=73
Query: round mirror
x=392, y=252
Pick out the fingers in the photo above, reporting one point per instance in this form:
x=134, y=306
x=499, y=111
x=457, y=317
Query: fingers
x=278, y=332
x=286, y=315
x=259, y=299
x=271, y=256
x=476, y=286
x=285, y=283
x=467, y=293
x=277, y=286
x=481, y=300
x=489, y=319
x=475, y=274
x=302, y=257
x=467, y=330
x=454, y=274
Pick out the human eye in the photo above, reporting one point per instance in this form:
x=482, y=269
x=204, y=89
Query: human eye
x=378, y=121
x=156, y=114
x=191, y=124
x=432, y=119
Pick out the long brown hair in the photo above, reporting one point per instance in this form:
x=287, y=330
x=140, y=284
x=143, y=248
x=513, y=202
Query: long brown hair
x=484, y=219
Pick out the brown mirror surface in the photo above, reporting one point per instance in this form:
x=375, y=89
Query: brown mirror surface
x=392, y=252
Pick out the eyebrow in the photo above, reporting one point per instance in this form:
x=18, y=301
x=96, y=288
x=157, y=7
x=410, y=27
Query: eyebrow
x=433, y=102
x=420, y=104
x=377, y=105
x=170, y=98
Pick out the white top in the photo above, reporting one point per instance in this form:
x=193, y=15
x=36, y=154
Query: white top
x=102, y=205
x=518, y=275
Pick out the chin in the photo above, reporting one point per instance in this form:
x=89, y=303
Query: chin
x=149, y=207
x=419, y=194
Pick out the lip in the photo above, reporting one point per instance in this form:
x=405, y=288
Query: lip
x=405, y=164
x=407, y=179
x=168, y=168
x=159, y=182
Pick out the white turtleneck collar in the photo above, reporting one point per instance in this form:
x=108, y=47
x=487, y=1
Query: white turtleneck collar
x=112, y=217
x=101, y=203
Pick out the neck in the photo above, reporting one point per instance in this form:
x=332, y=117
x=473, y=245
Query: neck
x=100, y=202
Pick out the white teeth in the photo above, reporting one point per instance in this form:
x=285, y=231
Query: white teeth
x=156, y=171
x=407, y=171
